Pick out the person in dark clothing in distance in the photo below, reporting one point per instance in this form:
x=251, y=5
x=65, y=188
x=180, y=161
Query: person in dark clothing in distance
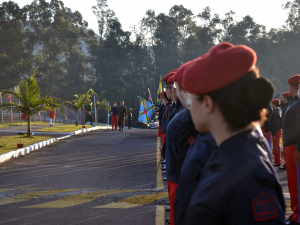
x=122, y=114
x=88, y=112
x=285, y=99
x=130, y=117
x=275, y=129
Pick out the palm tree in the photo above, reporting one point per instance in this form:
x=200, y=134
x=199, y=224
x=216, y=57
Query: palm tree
x=77, y=104
x=28, y=92
x=102, y=102
x=83, y=99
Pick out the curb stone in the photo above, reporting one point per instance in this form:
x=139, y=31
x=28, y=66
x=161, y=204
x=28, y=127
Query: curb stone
x=26, y=150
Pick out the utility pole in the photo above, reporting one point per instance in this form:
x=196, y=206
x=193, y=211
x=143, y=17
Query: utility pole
x=108, y=115
x=95, y=110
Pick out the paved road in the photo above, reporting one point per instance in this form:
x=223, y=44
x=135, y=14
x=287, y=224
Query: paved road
x=102, y=177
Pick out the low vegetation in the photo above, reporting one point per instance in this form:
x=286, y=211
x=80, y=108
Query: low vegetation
x=9, y=143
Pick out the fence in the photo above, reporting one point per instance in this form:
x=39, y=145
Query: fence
x=9, y=116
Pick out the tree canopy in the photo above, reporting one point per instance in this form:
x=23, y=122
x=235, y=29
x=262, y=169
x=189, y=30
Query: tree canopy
x=52, y=41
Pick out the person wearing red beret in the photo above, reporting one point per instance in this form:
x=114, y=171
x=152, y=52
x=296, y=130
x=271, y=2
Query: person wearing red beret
x=160, y=114
x=285, y=98
x=291, y=141
x=173, y=135
x=165, y=119
x=114, y=117
x=227, y=98
x=192, y=153
x=275, y=129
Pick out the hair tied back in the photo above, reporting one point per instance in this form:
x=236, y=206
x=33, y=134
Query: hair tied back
x=258, y=93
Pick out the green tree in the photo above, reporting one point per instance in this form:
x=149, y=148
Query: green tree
x=15, y=59
x=28, y=93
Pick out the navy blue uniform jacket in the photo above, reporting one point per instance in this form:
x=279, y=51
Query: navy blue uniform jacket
x=275, y=121
x=194, y=163
x=172, y=144
x=166, y=117
x=187, y=138
x=177, y=108
x=114, y=110
x=283, y=108
x=291, y=124
x=161, y=113
x=238, y=186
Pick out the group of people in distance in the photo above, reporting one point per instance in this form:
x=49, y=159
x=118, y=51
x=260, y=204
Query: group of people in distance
x=118, y=116
x=219, y=165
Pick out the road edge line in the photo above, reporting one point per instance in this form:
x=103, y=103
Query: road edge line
x=159, y=179
x=27, y=150
x=160, y=215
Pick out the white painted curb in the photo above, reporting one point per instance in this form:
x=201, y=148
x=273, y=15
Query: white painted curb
x=24, y=151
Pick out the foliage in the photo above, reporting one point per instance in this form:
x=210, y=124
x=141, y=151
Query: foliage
x=9, y=143
x=28, y=93
x=69, y=58
x=64, y=128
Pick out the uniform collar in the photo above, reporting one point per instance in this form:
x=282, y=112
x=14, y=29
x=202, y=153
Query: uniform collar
x=237, y=139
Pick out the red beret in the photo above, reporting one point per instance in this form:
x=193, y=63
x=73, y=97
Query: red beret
x=221, y=66
x=180, y=83
x=294, y=79
x=170, y=80
x=286, y=94
x=165, y=78
x=180, y=71
x=276, y=101
x=114, y=103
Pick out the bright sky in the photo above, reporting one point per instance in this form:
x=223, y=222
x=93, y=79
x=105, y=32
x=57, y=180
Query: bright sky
x=130, y=12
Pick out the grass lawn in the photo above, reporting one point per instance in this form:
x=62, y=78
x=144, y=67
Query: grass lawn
x=23, y=124
x=65, y=128
x=9, y=143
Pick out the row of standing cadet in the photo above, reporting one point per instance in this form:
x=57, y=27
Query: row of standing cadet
x=273, y=130
x=219, y=166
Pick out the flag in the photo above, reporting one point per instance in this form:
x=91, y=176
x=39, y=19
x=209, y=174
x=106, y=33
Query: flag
x=159, y=91
x=146, y=111
x=150, y=98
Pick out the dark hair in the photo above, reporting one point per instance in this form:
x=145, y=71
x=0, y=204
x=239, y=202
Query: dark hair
x=242, y=101
x=165, y=96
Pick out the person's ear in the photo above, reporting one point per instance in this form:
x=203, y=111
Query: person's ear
x=208, y=104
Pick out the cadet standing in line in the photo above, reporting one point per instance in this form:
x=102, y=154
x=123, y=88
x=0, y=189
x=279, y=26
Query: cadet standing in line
x=160, y=115
x=291, y=140
x=114, y=117
x=172, y=143
x=285, y=98
x=275, y=129
x=239, y=184
x=122, y=113
x=168, y=109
